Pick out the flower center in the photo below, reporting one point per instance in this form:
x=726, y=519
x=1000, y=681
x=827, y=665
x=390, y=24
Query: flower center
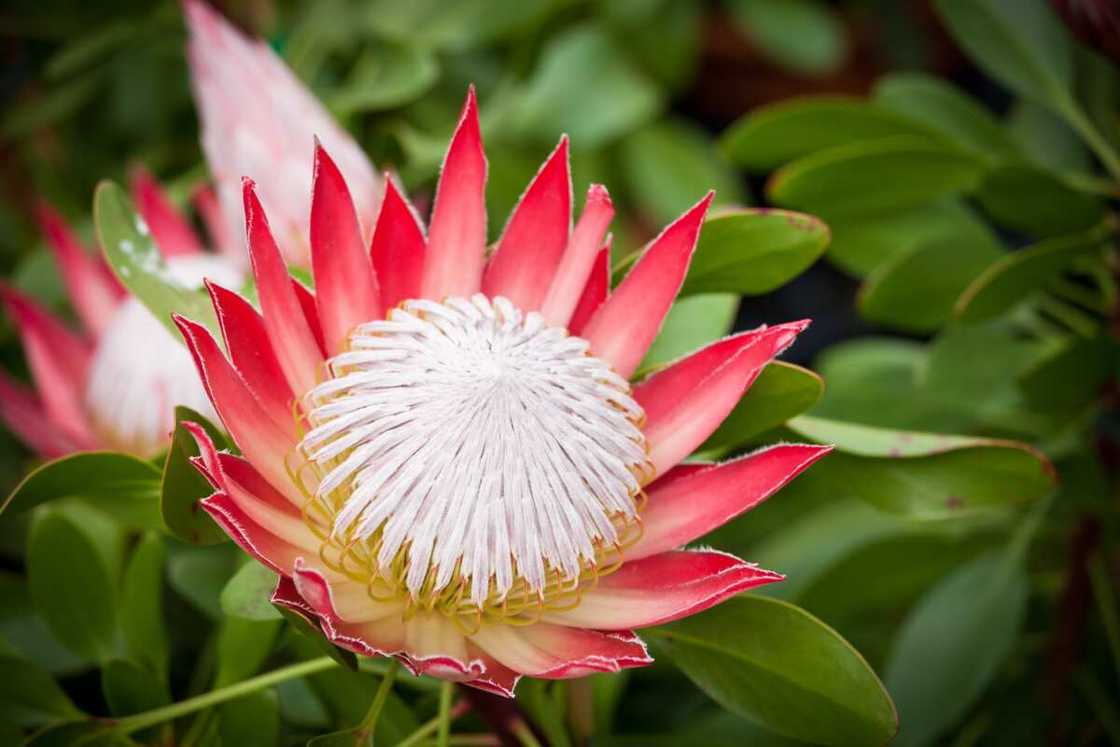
x=139, y=372
x=469, y=455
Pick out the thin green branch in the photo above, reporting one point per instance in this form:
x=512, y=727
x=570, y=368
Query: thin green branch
x=445, y=693
x=369, y=723
x=430, y=727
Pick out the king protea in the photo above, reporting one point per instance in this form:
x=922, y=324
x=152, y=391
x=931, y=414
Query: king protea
x=114, y=383
x=443, y=456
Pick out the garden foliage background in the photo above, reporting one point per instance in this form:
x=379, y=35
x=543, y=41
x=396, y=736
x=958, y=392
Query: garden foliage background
x=961, y=160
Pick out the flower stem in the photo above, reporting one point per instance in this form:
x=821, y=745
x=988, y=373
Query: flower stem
x=171, y=712
x=524, y=734
x=444, y=714
x=428, y=727
x=369, y=723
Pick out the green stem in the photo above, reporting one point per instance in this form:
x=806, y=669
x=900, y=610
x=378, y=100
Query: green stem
x=369, y=723
x=171, y=712
x=429, y=727
x=444, y=714
x=524, y=734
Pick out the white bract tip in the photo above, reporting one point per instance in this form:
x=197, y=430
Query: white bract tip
x=471, y=435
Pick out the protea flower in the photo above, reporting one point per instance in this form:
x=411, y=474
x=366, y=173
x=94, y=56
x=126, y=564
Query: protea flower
x=443, y=457
x=257, y=119
x=113, y=384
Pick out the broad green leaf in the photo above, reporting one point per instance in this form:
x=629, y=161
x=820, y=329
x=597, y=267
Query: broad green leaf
x=1011, y=280
x=927, y=476
x=780, y=392
x=772, y=135
x=754, y=251
x=138, y=264
x=141, y=609
x=1046, y=140
x=862, y=244
x=792, y=674
x=29, y=696
x=691, y=323
x=300, y=706
x=916, y=291
x=459, y=26
x=313, y=634
x=546, y=704
x=130, y=688
x=1020, y=43
x=71, y=571
x=953, y=642
x=586, y=87
x=23, y=628
x=1071, y=377
x=89, y=732
x=670, y=164
x=243, y=646
x=718, y=729
x=1028, y=199
x=119, y=484
x=183, y=486
x=804, y=36
x=664, y=36
x=938, y=104
x=386, y=76
x=250, y=721
x=249, y=592
x=874, y=178
x=199, y=574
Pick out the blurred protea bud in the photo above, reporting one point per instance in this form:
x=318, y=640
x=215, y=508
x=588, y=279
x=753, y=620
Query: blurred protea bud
x=1095, y=22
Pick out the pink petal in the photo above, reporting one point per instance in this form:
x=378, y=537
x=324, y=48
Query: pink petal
x=581, y=258
x=625, y=326
x=250, y=536
x=259, y=120
x=662, y=588
x=345, y=286
x=251, y=354
x=594, y=292
x=59, y=361
x=457, y=237
x=397, y=249
x=292, y=339
x=560, y=652
x=311, y=313
x=218, y=229
x=170, y=230
x=92, y=289
x=689, y=506
x=686, y=402
x=25, y=416
x=497, y=678
x=381, y=637
x=524, y=264
x=261, y=441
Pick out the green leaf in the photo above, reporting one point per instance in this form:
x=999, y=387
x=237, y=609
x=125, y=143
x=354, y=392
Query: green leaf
x=754, y=251
x=141, y=608
x=183, y=486
x=26, y=632
x=130, y=688
x=29, y=696
x=1011, y=280
x=927, y=476
x=691, y=323
x=1018, y=42
x=460, y=26
x=138, y=264
x=547, y=706
x=804, y=36
x=662, y=35
x=1046, y=140
x=243, y=646
x=936, y=103
x=792, y=674
x=249, y=592
x=199, y=574
x=780, y=392
x=251, y=721
x=312, y=633
x=772, y=135
x=72, y=572
x=1071, y=377
x=386, y=76
x=953, y=642
x=120, y=484
x=1028, y=199
x=586, y=87
x=916, y=291
x=874, y=178
x=862, y=244
x=86, y=733
x=669, y=164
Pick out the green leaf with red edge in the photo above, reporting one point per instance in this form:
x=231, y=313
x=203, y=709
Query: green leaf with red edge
x=183, y=486
x=125, y=486
x=792, y=673
x=927, y=476
x=752, y=251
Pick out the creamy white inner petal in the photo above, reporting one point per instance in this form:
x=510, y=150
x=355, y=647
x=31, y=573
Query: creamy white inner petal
x=479, y=441
x=139, y=372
